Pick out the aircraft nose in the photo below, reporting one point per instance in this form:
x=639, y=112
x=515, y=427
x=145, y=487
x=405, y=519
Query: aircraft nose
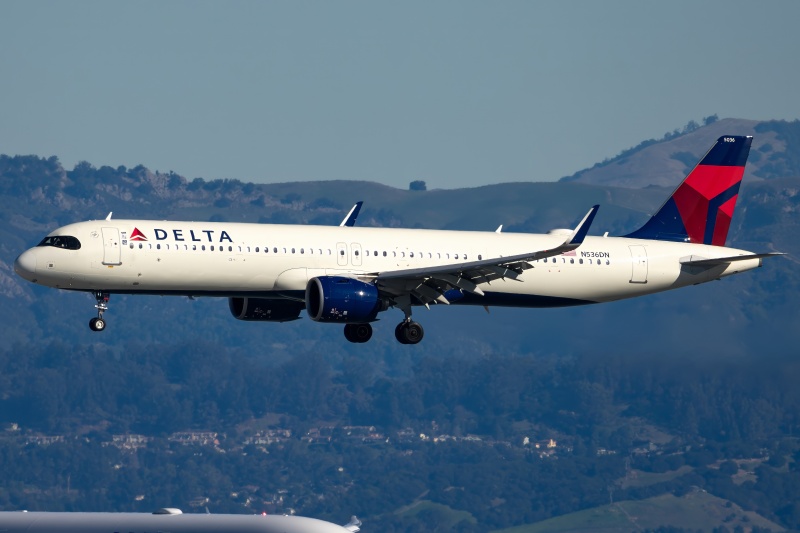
x=25, y=265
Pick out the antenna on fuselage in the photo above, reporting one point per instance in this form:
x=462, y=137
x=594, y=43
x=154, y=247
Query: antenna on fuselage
x=109, y=215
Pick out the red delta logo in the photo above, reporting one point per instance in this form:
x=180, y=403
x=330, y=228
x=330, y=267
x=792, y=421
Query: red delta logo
x=137, y=235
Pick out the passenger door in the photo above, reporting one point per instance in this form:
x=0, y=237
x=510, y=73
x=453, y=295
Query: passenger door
x=111, y=247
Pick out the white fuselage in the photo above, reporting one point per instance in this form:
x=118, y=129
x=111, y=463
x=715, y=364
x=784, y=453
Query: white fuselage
x=235, y=259
x=78, y=522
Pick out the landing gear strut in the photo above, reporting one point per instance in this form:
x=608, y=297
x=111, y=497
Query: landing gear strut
x=409, y=332
x=358, y=333
x=97, y=323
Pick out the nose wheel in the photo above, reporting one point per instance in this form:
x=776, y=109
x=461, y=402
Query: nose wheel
x=98, y=323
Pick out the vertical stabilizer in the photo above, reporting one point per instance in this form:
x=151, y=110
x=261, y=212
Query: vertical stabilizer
x=701, y=208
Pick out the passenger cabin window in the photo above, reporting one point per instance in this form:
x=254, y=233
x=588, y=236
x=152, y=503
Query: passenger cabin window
x=61, y=241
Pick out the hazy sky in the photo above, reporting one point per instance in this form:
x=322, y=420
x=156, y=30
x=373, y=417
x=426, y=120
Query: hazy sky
x=453, y=93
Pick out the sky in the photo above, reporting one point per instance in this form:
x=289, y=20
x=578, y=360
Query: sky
x=455, y=93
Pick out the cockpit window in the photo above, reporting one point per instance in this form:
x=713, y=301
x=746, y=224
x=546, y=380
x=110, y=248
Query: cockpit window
x=61, y=241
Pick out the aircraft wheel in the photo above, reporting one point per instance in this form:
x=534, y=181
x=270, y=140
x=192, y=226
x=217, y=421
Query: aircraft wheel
x=348, y=332
x=409, y=332
x=97, y=324
x=358, y=333
x=362, y=332
x=399, y=333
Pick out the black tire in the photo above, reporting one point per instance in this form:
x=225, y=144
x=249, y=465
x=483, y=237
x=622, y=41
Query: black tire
x=399, y=333
x=362, y=332
x=413, y=333
x=349, y=333
x=97, y=324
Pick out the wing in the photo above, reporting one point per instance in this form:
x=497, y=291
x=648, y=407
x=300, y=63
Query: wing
x=430, y=284
x=694, y=260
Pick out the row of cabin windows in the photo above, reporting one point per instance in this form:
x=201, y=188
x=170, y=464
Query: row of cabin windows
x=572, y=260
x=342, y=252
x=420, y=255
x=320, y=251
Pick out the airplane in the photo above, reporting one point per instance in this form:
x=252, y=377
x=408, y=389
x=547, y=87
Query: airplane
x=167, y=519
x=349, y=275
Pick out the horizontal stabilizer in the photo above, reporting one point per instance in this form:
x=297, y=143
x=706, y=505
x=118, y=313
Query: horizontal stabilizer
x=694, y=260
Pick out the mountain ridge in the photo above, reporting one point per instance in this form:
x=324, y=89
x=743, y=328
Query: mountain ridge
x=665, y=162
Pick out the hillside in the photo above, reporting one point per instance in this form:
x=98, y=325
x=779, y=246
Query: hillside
x=694, y=511
x=178, y=403
x=37, y=195
x=775, y=153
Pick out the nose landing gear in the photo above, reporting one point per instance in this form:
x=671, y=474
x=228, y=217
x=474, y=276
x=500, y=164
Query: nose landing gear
x=98, y=323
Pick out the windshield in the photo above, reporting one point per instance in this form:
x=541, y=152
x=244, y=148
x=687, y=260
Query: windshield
x=61, y=241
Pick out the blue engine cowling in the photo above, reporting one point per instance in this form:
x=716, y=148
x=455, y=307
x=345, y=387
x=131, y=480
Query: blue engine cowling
x=340, y=299
x=265, y=310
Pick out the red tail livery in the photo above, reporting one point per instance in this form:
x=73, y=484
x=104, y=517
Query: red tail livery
x=701, y=208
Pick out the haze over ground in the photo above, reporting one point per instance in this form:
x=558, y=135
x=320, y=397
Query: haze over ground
x=453, y=93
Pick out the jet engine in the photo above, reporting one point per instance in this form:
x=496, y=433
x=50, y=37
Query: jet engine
x=340, y=299
x=265, y=310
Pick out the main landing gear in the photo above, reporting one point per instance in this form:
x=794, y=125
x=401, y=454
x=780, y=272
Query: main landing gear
x=97, y=323
x=406, y=332
x=409, y=332
x=358, y=333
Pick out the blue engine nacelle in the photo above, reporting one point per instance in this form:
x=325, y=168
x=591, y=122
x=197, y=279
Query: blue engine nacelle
x=340, y=299
x=265, y=310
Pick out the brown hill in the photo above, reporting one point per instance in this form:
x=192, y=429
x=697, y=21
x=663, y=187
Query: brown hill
x=666, y=163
